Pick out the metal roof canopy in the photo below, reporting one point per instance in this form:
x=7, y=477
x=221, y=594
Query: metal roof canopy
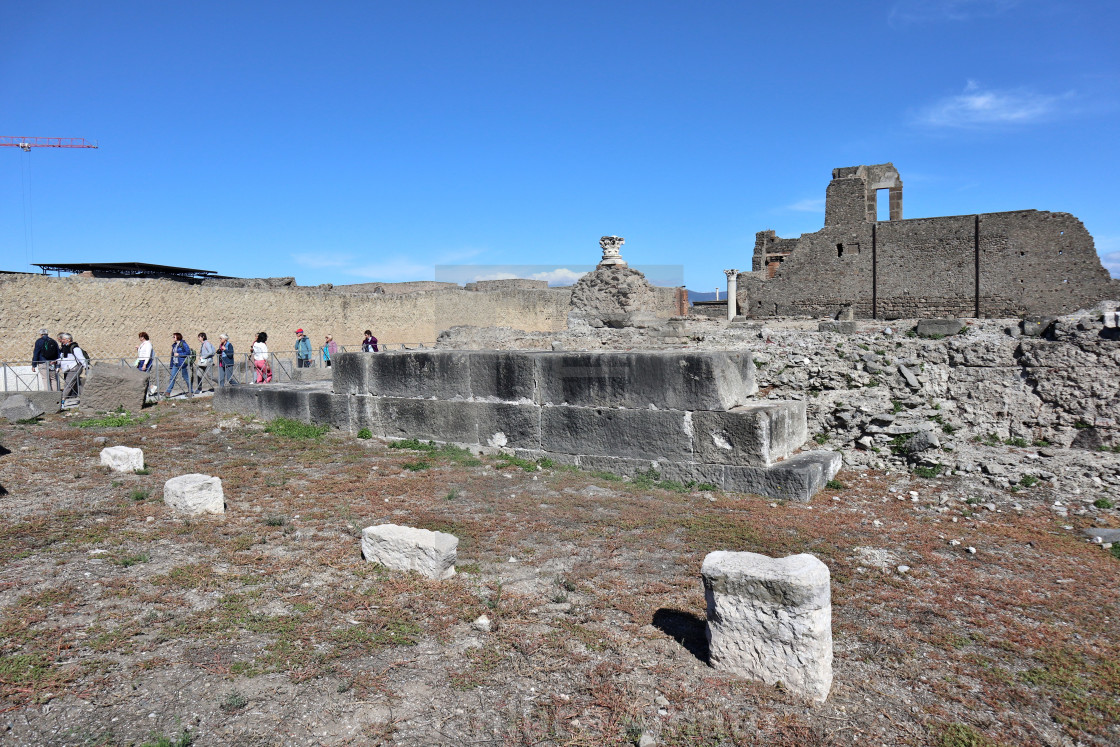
x=138, y=269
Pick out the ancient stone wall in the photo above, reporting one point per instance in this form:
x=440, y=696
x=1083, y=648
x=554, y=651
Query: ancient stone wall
x=105, y=315
x=1025, y=262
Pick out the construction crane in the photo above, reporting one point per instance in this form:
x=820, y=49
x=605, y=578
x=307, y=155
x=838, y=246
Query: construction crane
x=27, y=143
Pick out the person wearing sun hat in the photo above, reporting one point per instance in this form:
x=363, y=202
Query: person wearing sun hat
x=303, y=350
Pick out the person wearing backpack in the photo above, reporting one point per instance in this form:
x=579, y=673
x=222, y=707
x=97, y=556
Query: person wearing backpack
x=72, y=360
x=43, y=360
x=180, y=363
x=205, y=359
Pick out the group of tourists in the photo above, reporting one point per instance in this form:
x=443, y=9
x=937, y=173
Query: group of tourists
x=59, y=363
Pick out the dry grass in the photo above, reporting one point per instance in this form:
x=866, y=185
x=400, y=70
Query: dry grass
x=112, y=609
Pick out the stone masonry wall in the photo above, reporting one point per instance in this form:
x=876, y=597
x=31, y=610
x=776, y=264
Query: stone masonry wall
x=1031, y=262
x=105, y=315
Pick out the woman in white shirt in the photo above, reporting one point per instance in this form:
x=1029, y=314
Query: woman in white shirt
x=144, y=353
x=260, y=359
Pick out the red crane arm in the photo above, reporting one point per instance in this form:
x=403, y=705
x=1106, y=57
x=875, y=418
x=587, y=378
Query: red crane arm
x=27, y=143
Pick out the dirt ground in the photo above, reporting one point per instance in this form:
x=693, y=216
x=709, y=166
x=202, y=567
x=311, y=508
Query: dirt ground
x=122, y=624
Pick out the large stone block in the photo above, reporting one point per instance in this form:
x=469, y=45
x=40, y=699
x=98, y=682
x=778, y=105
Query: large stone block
x=325, y=408
x=517, y=426
x=19, y=407
x=509, y=376
x=431, y=419
x=195, y=494
x=109, y=388
x=443, y=374
x=604, y=431
x=283, y=401
x=352, y=373
x=756, y=434
x=365, y=412
x=122, y=458
x=939, y=327
x=770, y=619
x=432, y=554
x=793, y=479
x=238, y=399
x=47, y=401
x=666, y=380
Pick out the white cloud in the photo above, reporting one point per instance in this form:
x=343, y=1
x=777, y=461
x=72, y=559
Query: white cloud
x=906, y=12
x=979, y=107
x=320, y=261
x=807, y=206
x=1108, y=247
x=559, y=276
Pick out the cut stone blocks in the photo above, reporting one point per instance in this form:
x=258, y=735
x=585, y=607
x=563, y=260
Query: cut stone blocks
x=939, y=327
x=429, y=419
x=756, y=434
x=770, y=619
x=432, y=554
x=515, y=400
x=442, y=374
x=793, y=479
x=648, y=434
x=19, y=407
x=666, y=380
x=110, y=388
x=195, y=494
x=122, y=458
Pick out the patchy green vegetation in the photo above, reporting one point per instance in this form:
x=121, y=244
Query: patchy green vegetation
x=295, y=429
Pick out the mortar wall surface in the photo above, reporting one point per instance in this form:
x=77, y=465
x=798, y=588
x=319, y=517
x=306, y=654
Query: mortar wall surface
x=105, y=315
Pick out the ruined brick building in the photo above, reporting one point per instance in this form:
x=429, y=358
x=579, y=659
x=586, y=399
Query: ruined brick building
x=1009, y=264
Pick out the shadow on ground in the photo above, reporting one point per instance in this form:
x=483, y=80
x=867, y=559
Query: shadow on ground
x=688, y=629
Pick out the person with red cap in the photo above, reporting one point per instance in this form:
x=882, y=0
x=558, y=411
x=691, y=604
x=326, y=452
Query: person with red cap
x=303, y=350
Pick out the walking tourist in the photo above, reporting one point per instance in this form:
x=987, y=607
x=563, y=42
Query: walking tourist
x=205, y=359
x=330, y=349
x=145, y=353
x=303, y=350
x=72, y=361
x=180, y=357
x=225, y=361
x=369, y=344
x=260, y=359
x=43, y=360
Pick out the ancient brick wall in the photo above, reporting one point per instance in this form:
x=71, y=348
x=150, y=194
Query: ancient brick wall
x=105, y=315
x=1029, y=262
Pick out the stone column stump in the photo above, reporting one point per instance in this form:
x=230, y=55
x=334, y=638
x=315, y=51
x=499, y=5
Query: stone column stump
x=432, y=554
x=122, y=458
x=770, y=619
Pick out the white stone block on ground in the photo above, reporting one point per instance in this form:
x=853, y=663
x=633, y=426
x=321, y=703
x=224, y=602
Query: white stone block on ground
x=432, y=554
x=195, y=494
x=122, y=458
x=770, y=619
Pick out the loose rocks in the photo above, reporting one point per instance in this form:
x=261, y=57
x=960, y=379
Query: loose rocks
x=771, y=619
x=122, y=458
x=195, y=494
x=432, y=554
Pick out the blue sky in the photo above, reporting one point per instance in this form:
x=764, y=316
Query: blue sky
x=347, y=142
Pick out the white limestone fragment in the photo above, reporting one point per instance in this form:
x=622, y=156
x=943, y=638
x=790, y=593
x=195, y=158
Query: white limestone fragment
x=195, y=494
x=432, y=554
x=122, y=458
x=770, y=619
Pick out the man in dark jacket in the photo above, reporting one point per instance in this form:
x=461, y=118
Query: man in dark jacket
x=43, y=360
